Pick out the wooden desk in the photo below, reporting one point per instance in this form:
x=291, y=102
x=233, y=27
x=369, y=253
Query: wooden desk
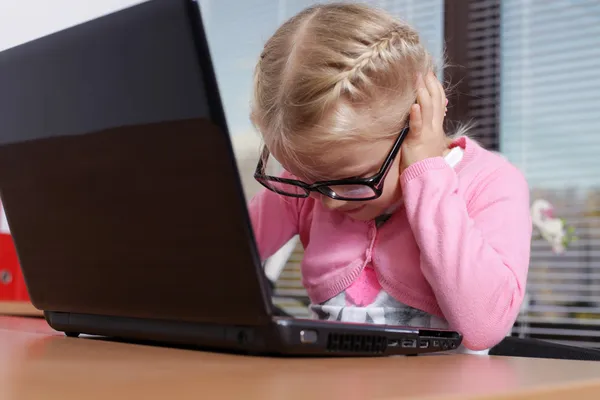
x=21, y=308
x=36, y=363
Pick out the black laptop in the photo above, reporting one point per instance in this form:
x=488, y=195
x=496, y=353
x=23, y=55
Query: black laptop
x=122, y=193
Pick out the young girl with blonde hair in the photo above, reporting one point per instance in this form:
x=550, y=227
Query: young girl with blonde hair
x=400, y=224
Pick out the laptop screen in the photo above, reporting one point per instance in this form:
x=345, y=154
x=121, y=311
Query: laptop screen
x=117, y=174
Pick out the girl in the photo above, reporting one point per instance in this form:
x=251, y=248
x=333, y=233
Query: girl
x=400, y=224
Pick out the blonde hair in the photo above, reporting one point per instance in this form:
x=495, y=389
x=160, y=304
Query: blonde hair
x=334, y=73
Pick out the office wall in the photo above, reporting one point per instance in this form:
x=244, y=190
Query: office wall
x=22, y=21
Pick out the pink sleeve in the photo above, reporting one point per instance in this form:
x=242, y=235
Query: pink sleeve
x=475, y=256
x=274, y=220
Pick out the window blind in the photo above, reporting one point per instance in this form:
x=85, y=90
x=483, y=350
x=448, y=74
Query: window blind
x=483, y=69
x=549, y=119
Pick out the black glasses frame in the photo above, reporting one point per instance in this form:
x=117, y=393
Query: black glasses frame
x=374, y=182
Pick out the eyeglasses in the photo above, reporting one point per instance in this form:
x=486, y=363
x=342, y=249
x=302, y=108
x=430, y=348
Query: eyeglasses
x=348, y=189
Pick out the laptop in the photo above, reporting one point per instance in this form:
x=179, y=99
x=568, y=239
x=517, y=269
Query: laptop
x=124, y=200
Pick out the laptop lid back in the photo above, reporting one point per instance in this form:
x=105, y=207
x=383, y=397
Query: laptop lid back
x=117, y=173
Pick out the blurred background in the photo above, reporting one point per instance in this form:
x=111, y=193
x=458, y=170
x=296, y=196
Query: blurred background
x=525, y=72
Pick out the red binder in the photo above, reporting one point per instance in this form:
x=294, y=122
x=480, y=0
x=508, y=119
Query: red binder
x=12, y=284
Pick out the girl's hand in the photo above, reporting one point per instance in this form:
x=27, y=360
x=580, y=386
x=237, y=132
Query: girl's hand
x=426, y=138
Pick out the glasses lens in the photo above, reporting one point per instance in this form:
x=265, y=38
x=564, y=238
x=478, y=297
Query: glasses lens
x=285, y=189
x=355, y=192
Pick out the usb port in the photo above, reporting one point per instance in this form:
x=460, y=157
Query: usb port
x=393, y=343
x=436, y=343
x=409, y=343
x=423, y=344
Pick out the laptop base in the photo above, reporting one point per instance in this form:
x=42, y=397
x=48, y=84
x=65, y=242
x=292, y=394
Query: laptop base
x=284, y=336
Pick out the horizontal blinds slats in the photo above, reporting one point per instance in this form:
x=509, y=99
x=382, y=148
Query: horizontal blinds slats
x=546, y=106
x=545, y=51
x=290, y=275
x=561, y=181
x=538, y=83
x=582, y=245
x=554, y=12
x=564, y=309
x=555, y=297
x=564, y=276
x=550, y=93
x=583, y=122
x=538, y=33
x=483, y=48
x=561, y=320
x=290, y=292
x=552, y=70
x=293, y=306
x=588, y=156
x=567, y=287
x=546, y=267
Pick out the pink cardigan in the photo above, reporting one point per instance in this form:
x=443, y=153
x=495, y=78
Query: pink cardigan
x=458, y=249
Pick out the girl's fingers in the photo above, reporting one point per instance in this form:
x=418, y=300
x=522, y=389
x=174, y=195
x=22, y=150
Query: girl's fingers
x=425, y=101
x=416, y=119
x=444, y=99
x=435, y=92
